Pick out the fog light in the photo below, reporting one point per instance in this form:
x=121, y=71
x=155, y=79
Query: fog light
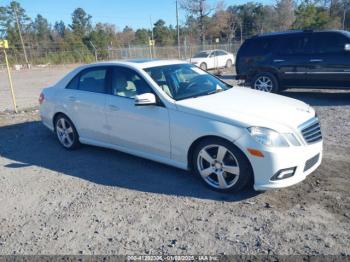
x=284, y=173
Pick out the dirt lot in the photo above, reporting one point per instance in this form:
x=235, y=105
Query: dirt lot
x=98, y=201
x=28, y=85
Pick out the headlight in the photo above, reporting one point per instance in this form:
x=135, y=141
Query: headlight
x=267, y=137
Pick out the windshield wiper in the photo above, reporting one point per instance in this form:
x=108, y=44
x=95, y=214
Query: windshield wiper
x=203, y=94
x=215, y=91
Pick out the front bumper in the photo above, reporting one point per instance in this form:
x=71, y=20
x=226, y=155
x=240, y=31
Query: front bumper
x=276, y=159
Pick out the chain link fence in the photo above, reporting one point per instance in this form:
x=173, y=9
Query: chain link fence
x=47, y=56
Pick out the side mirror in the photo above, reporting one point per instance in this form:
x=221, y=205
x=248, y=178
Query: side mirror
x=347, y=47
x=146, y=99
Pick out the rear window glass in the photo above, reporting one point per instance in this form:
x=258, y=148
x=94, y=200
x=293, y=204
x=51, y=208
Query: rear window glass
x=291, y=45
x=201, y=54
x=257, y=47
x=91, y=80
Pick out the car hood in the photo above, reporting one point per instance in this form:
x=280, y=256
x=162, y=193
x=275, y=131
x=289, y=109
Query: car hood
x=246, y=107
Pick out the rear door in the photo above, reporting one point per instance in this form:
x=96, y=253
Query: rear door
x=85, y=101
x=222, y=58
x=291, y=54
x=212, y=60
x=329, y=65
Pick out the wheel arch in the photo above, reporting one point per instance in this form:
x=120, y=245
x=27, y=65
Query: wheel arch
x=261, y=70
x=57, y=114
x=200, y=139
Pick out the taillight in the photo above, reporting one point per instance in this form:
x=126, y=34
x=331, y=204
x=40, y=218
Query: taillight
x=41, y=98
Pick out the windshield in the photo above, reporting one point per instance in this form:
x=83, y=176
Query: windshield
x=201, y=54
x=347, y=33
x=183, y=81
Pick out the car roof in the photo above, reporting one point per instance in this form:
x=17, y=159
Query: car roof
x=211, y=50
x=139, y=63
x=292, y=32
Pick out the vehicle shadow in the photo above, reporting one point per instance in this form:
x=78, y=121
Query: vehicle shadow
x=320, y=97
x=31, y=144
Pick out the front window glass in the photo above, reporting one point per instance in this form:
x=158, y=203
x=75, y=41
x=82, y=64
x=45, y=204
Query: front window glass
x=127, y=83
x=328, y=43
x=203, y=54
x=183, y=81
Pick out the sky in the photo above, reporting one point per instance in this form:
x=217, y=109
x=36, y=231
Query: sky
x=134, y=13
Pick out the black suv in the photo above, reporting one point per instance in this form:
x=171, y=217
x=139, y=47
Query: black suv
x=277, y=61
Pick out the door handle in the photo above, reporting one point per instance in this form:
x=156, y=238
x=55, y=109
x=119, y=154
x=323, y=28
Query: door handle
x=113, y=107
x=278, y=60
x=72, y=98
x=315, y=60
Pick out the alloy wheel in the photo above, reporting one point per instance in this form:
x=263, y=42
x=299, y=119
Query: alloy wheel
x=263, y=83
x=65, y=132
x=218, y=166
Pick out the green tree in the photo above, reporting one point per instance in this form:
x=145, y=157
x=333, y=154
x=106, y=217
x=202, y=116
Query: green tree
x=41, y=27
x=163, y=35
x=309, y=15
x=60, y=29
x=8, y=23
x=142, y=36
x=81, y=23
x=103, y=36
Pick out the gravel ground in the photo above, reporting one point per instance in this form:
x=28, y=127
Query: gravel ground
x=99, y=201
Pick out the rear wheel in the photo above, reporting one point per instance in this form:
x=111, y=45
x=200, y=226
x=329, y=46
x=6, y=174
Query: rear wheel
x=203, y=66
x=66, y=133
x=221, y=165
x=266, y=82
x=229, y=63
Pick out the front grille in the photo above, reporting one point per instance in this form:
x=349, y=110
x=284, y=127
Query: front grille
x=311, y=162
x=311, y=131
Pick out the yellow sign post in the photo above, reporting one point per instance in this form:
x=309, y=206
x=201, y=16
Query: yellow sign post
x=4, y=45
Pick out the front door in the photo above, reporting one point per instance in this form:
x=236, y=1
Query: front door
x=290, y=58
x=141, y=128
x=329, y=65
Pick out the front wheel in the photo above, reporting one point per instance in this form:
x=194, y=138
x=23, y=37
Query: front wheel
x=221, y=165
x=203, y=66
x=266, y=82
x=66, y=133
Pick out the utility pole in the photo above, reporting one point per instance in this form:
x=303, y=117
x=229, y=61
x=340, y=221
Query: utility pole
x=20, y=36
x=178, y=30
x=152, y=26
x=241, y=27
x=201, y=22
x=95, y=50
x=344, y=16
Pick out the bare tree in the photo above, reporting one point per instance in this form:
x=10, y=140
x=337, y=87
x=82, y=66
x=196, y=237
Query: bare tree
x=223, y=24
x=285, y=14
x=200, y=10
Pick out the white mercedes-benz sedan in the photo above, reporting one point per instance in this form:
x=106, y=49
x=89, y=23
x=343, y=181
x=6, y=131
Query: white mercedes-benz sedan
x=211, y=59
x=175, y=113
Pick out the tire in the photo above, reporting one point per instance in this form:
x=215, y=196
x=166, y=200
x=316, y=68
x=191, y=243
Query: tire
x=229, y=63
x=266, y=82
x=203, y=66
x=212, y=157
x=66, y=132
